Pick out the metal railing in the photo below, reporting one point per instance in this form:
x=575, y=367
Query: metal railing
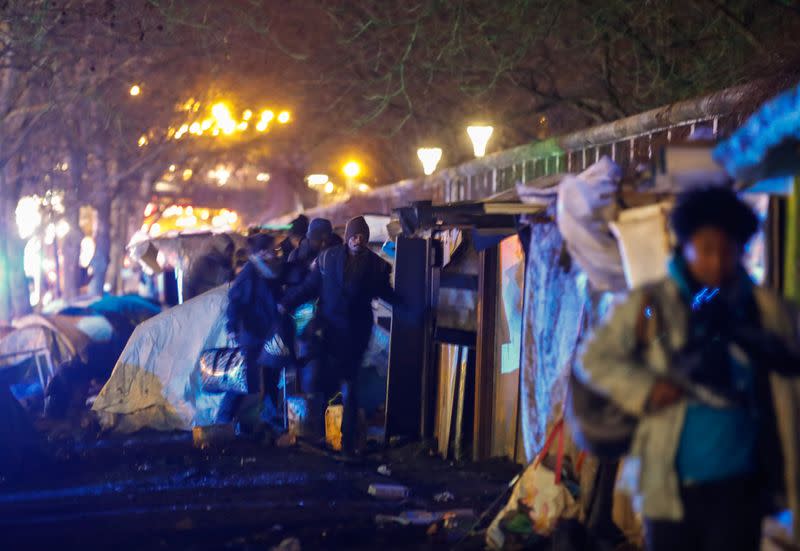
x=627, y=141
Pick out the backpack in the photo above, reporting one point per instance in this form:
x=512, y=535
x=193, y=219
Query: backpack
x=598, y=424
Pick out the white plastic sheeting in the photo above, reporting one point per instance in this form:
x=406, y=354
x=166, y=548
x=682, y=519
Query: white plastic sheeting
x=585, y=205
x=156, y=382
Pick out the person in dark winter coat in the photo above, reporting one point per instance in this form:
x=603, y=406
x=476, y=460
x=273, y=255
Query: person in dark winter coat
x=252, y=318
x=319, y=237
x=345, y=279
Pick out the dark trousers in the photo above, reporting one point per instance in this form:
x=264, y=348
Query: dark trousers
x=342, y=357
x=717, y=515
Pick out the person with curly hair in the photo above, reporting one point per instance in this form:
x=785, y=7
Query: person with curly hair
x=715, y=388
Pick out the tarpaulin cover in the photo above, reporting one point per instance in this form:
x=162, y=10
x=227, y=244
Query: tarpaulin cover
x=554, y=298
x=585, y=205
x=133, y=307
x=156, y=382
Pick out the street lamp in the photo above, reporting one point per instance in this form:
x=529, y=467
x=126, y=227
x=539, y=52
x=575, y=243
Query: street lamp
x=480, y=137
x=352, y=169
x=135, y=90
x=430, y=157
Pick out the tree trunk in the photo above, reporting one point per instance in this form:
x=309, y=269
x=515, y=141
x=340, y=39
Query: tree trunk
x=6, y=304
x=119, y=235
x=102, y=252
x=14, y=292
x=102, y=199
x=71, y=246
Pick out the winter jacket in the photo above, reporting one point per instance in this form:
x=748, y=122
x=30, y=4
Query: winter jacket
x=610, y=364
x=345, y=306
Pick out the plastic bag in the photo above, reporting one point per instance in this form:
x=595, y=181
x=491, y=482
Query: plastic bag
x=541, y=493
x=585, y=205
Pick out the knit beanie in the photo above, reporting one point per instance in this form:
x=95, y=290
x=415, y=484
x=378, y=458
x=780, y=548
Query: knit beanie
x=355, y=226
x=299, y=226
x=319, y=228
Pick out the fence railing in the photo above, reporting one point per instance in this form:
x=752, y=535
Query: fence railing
x=627, y=141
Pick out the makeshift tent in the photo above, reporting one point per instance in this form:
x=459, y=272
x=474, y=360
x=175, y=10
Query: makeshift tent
x=39, y=344
x=156, y=381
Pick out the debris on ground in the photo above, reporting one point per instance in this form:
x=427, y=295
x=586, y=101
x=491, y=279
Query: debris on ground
x=444, y=497
x=289, y=544
x=388, y=491
x=425, y=518
x=384, y=470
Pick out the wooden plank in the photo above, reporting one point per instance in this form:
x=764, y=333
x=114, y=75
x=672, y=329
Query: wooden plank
x=409, y=340
x=485, y=358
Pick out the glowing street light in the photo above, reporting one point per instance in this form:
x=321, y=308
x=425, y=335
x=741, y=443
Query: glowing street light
x=363, y=188
x=430, y=157
x=142, y=140
x=329, y=188
x=135, y=90
x=247, y=115
x=351, y=169
x=480, y=138
x=262, y=177
x=284, y=117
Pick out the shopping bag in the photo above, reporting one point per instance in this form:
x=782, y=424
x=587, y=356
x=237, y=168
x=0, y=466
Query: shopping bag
x=223, y=370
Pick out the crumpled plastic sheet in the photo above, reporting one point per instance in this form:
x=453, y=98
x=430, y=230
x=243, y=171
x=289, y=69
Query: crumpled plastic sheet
x=555, y=300
x=585, y=205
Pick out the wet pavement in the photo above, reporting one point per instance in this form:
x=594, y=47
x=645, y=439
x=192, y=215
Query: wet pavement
x=157, y=491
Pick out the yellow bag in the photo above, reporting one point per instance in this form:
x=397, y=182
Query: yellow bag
x=333, y=426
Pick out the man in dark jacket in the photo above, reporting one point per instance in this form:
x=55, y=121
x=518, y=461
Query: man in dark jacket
x=345, y=278
x=319, y=237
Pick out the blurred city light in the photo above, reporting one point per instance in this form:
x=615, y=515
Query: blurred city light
x=329, y=187
x=262, y=177
x=480, y=138
x=87, y=251
x=284, y=117
x=135, y=90
x=351, y=169
x=28, y=216
x=317, y=180
x=430, y=157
